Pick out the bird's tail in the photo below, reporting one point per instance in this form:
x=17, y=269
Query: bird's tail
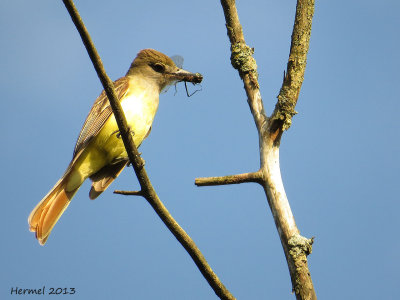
x=46, y=214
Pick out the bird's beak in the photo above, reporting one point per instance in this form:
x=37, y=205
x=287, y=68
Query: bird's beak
x=183, y=75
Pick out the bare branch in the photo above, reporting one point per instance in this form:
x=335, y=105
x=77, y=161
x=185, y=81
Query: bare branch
x=134, y=157
x=296, y=247
x=281, y=118
x=229, y=179
x=243, y=61
x=129, y=193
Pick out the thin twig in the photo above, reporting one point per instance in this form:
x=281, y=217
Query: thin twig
x=129, y=193
x=229, y=179
x=134, y=157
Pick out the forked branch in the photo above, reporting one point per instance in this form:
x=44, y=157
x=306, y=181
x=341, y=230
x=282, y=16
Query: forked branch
x=270, y=129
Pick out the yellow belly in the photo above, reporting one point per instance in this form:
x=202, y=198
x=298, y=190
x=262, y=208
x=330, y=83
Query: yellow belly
x=106, y=147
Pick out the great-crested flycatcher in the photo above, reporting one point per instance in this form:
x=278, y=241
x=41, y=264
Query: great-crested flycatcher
x=99, y=152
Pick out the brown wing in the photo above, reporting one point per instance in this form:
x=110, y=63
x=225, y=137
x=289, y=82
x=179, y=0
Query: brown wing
x=99, y=114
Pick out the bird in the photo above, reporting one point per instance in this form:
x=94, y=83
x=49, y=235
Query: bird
x=99, y=153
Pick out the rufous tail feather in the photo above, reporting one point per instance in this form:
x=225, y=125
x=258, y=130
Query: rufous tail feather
x=46, y=214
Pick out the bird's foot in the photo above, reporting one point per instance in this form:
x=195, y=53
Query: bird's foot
x=142, y=162
x=118, y=133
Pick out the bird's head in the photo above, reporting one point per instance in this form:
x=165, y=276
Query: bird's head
x=160, y=68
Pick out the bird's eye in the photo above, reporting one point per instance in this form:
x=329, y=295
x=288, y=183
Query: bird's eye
x=160, y=68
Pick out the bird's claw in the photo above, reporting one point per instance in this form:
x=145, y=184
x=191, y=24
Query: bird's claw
x=118, y=133
x=142, y=162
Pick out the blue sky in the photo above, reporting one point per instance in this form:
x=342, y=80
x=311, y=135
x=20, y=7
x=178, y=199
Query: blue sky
x=340, y=159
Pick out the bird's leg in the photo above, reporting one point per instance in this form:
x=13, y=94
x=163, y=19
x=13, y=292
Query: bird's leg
x=118, y=133
x=143, y=162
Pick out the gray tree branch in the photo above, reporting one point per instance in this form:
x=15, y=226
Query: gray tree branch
x=270, y=129
x=230, y=179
